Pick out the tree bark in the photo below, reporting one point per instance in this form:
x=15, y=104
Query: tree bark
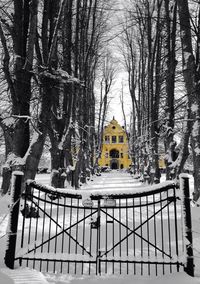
x=170, y=85
x=24, y=20
x=192, y=85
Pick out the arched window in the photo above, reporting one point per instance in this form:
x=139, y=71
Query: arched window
x=114, y=153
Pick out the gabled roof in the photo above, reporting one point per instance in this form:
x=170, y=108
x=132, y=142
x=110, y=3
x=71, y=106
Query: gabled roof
x=114, y=126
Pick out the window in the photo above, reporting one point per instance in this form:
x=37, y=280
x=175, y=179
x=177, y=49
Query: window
x=107, y=139
x=122, y=155
x=114, y=153
x=106, y=155
x=121, y=139
x=114, y=139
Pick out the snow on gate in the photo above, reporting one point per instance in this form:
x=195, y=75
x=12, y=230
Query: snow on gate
x=95, y=232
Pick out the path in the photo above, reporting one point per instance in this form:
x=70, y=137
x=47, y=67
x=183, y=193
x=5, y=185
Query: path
x=23, y=276
x=114, y=179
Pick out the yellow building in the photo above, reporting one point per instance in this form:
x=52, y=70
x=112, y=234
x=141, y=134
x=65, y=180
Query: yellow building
x=115, y=147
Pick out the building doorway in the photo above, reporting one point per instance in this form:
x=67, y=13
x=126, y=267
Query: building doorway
x=114, y=164
x=114, y=156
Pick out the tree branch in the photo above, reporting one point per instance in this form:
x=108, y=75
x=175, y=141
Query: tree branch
x=6, y=61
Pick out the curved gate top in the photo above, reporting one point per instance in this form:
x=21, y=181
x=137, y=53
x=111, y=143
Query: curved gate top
x=64, y=232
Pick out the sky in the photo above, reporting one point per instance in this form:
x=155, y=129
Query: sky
x=121, y=77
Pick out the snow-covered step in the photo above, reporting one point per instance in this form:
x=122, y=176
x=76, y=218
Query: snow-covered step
x=25, y=276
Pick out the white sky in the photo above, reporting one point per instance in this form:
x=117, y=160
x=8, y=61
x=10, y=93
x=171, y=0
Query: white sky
x=115, y=108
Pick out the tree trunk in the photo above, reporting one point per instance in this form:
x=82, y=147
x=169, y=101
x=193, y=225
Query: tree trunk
x=170, y=85
x=33, y=155
x=57, y=167
x=192, y=85
x=23, y=35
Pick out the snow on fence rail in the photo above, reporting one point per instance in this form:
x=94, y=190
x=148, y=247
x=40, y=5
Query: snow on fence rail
x=101, y=232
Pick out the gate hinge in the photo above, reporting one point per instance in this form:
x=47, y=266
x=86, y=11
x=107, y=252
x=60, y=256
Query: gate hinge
x=173, y=198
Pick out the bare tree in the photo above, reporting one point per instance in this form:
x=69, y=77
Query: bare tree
x=171, y=62
x=21, y=27
x=190, y=62
x=107, y=79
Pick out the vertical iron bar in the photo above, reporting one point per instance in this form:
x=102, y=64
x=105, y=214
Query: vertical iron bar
x=162, y=232
x=169, y=230
x=113, y=240
x=98, y=253
x=176, y=227
x=106, y=244
x=63, y=235
x=30, y=223
x=30, y=226
x=141, y=233
x=155, y=231
x=189, y=268
x=43, y=225
x=148, y=249
x=48, y=248
x=77, y=218
x=36, y=225
x=83, y=242
x=127, y=234
x=99, y=232
x=134, y=234
x=120, y=236
x=90, y=230
x=56, y=238
x=70, y=223
x=23, y=223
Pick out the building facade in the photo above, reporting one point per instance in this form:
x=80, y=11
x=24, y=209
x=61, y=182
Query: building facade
x=115, y=147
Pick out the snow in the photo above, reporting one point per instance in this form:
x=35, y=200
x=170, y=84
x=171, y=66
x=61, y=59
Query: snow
x=9, y=121
x=195, y=128
x=194, y=107
x=197, y=150
x=187, y=55
x=114, y=181
x=183, y=175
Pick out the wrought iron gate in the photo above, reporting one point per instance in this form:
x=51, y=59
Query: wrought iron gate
x=139, y=233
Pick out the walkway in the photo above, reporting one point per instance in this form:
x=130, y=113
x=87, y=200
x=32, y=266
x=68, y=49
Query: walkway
x=22, y=276
x=115, y=179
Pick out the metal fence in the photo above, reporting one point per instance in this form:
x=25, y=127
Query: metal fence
x=138, y=233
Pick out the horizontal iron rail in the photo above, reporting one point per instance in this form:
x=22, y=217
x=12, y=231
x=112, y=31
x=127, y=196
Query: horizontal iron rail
x=55, y=260
x=142, y=261
x=96, y=207
x=58, y=192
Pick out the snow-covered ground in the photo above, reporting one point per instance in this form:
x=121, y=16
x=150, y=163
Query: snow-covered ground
x=114, y=180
